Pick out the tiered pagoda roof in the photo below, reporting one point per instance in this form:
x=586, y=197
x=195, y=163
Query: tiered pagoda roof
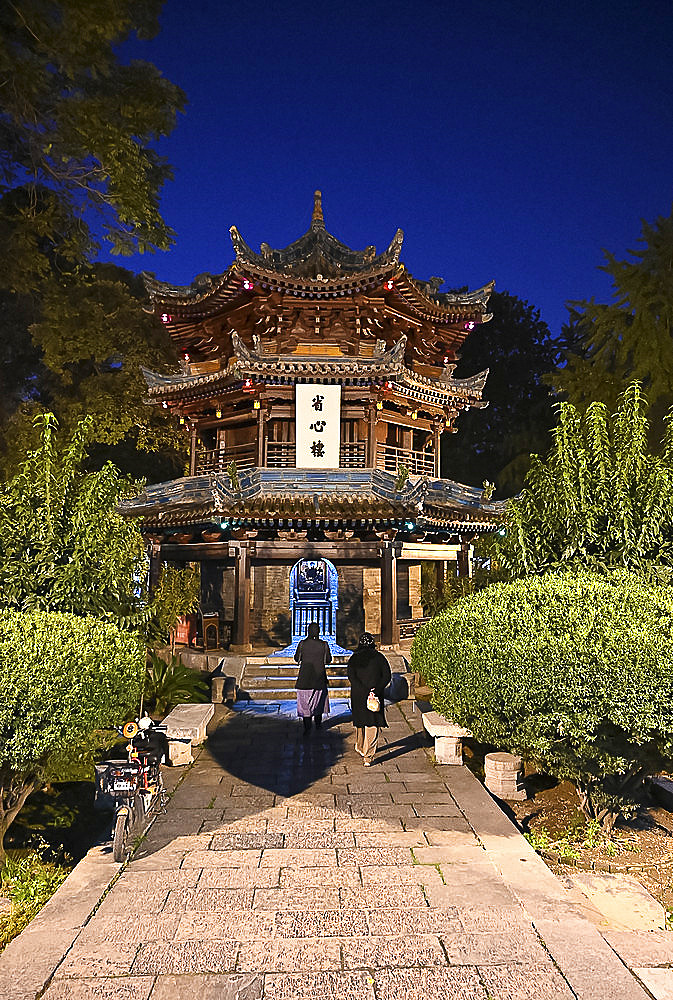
x=263, y=497
x=317, y=311
x=321, y=269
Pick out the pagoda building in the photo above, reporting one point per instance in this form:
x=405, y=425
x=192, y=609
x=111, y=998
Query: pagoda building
x=316, y=384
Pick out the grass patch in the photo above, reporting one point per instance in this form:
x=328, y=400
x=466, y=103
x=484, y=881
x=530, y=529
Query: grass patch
x=27, y=882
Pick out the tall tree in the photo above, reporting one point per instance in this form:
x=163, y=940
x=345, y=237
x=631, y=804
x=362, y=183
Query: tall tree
x=77, y=135
x=495, y=444
x=606, y=346
x=600, y=500
x=88, y=343
x=79, y=167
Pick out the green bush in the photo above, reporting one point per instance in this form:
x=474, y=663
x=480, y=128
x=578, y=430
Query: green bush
x=61, y=677
x=572, y=671
x=171, y=683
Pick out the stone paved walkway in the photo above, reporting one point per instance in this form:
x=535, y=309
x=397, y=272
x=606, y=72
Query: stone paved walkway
x=285, y=869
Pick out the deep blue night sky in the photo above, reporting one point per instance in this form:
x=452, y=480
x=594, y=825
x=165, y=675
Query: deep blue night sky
x=509, y=140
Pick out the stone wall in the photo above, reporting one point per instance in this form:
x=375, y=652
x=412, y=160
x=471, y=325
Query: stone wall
x=415, y=605
x=371, y=600
x=270, y=606
x=403, y=606
x=350, y=613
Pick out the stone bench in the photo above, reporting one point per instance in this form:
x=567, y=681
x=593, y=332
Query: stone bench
x=188, y=722
x=223, y=689
x=448, y=737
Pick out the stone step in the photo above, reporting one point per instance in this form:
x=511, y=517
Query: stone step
x=286, y=686
x=285, y=694
x=285, y=670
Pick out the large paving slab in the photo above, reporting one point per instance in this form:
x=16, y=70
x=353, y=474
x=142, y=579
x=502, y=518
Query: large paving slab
x=285, y=869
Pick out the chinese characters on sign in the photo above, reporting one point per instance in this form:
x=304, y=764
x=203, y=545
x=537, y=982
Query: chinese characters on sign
x=318, y=417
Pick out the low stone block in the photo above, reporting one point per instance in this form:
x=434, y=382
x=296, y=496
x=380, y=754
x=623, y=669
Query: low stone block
x=496, y=763
x=189, y=722
x=504, y=776
x=436, y=725
x=448, y=738
x=448, y=750
x=222, y=688
x=180, y=752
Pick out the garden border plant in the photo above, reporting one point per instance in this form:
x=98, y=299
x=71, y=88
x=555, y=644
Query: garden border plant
x=61, y=677
x=572, y=671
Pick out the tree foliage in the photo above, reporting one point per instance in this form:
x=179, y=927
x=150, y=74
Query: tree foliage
x=78, y=130
x=61, y=676
x=86, y=342
x=494, y=444
x=63, y=546
x=79, y=168
x=599, y=499
x=572, y=671
x=177, y=593
x=608, y=345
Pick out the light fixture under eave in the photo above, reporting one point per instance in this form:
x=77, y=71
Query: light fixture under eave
x=379, y=405
x=218, y=413
x=255, y=404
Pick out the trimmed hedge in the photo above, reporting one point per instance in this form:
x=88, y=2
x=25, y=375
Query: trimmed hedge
x=61, y=677
x=573, y=671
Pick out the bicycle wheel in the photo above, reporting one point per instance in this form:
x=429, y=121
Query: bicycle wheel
x=119, y=837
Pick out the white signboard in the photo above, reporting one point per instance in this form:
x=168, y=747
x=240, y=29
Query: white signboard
x=318, y=426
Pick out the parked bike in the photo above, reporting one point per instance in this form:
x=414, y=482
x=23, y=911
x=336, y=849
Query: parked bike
x=135, y=784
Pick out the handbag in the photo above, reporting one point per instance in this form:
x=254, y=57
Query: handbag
x=373, y=703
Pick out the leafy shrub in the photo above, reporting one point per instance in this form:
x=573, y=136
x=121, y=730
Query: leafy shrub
x=28, y=883
x=171, y=683
x=599, y=501
x=570, y=670
x=177, y=593
x=61, y=677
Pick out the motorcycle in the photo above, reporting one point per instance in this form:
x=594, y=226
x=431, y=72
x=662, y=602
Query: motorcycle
x=135, y=785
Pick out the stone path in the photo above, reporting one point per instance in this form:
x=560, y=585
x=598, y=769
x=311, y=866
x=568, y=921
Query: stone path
x=285, y=869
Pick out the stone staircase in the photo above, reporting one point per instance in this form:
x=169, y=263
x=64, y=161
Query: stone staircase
x=272, y=678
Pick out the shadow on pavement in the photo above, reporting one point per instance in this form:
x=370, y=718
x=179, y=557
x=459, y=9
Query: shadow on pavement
x=414, y=741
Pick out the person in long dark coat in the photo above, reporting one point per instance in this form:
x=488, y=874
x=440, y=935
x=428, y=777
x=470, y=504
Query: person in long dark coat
x=312, y=654
x=368, y=670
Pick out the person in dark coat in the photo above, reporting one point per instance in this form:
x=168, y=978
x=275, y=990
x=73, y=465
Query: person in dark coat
x=368, y=670
x=313, y=654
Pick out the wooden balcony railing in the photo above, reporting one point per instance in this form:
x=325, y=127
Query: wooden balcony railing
x=353, y=455
x=280, y=454
x=217, y=459
x=419, y=463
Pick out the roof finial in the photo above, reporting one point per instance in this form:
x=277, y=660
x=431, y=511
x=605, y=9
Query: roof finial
x=317, y=220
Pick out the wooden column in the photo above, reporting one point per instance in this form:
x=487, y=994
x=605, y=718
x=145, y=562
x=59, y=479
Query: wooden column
x=192, y=452
x=440, y=575
x=464, y=568
x=390, y=630
x=436, y=444
x=155, y=566
x=371, y=438
x=241, y=637
x=261, y=432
